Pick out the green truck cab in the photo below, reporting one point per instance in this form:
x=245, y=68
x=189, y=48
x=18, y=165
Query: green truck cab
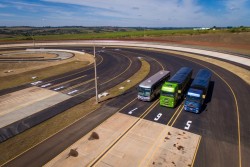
x=169, y=94
x=174, y=89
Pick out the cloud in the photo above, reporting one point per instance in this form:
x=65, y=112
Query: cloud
x=7, y=15
x=180, y=11
x=24, y=5
x=235, y=4
x=2, y=5
x=32, y=7
x=236, y=13
x=152, y=13
x=135, y=8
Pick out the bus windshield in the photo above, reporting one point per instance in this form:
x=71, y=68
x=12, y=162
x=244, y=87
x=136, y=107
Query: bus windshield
x=193, y=98
x=144, y=91
x=169, y=94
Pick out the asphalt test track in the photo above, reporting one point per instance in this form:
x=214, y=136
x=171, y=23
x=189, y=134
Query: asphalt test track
x=217, y=123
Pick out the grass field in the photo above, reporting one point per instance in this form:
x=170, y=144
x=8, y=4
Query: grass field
x=235, y=39
x=15, y=34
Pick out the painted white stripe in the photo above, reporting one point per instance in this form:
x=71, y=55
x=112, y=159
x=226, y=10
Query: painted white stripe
x=35, y=83
x=74, y=91
x=131, y=112
x=46, y=85
x=61, y=87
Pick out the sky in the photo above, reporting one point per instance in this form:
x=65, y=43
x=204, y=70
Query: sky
x=125, y=13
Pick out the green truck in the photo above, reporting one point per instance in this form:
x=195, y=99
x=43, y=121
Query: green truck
x=175, y=87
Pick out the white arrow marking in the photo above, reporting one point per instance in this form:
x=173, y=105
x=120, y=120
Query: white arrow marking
x=103, y=94
x=131, y=112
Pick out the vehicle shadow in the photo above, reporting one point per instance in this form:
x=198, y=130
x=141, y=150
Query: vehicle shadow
x=180, y=101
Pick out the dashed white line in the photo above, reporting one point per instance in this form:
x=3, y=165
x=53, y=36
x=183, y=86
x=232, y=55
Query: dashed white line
x=46, y=85
x=74, y=91
x=35, y=83
x=61, y=87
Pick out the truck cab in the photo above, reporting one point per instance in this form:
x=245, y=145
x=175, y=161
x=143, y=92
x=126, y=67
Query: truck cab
x=197, y=92
x=194, y=100
x=169, y=94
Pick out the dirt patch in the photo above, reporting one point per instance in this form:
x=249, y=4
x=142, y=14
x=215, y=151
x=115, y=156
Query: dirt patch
x=21, y=67
x=171, y=153
x=73, y=153
x=17, y=73
x=94, y=136
x=27, y=55
x=84, y=57
x=232, y=42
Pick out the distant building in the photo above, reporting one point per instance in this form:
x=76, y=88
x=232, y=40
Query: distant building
x=201, y=28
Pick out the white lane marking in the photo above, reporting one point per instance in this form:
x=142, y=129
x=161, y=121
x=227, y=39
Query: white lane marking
x=188, y=124
x=59, y=88
x=74, y=91
x=46, y=85
x=35, y=83
x=103, y=94
x=158, y=117
x=131, y=112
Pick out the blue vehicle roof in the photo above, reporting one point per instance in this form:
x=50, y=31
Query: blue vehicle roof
x=195, y=91
x=181, y=75
x=202, y=79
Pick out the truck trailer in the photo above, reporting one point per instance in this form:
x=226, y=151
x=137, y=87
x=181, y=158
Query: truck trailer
x=197, y=92
x=174, y=88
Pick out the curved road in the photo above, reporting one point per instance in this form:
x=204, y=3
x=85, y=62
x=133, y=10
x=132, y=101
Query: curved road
x=223, y=125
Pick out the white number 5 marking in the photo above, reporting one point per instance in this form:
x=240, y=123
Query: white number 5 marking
x=188, y=124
